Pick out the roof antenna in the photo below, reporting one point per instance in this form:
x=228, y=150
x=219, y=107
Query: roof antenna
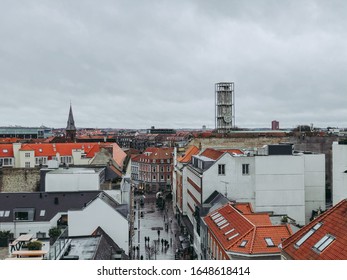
x=226, y=188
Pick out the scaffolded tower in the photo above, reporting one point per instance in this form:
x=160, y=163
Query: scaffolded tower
x=225, y=109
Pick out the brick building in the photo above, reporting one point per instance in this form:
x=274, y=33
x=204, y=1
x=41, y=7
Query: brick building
x=152, y=170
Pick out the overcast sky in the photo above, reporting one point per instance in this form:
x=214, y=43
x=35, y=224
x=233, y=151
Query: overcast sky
x=134, y=64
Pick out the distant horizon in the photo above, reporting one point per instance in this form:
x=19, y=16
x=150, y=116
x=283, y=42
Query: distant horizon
x=180, y=128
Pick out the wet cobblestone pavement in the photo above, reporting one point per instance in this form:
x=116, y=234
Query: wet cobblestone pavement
x=155, y=221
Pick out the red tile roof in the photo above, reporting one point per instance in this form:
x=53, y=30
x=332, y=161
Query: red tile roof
x=211, y=153
x=51, y=149
x=215, y=154
x=6, y=150
x=118, y=154
x=155, y=153
x=8, y=140
x=333, y=223
x=232, y=151
x=250, y=228
x=187, y=156
x=244, y=207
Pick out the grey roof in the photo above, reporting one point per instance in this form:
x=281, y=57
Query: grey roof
x=70, y=121
x=52, y=203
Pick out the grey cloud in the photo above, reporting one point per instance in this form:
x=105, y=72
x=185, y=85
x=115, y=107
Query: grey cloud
x=141, y=63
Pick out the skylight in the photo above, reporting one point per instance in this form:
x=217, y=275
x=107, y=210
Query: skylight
x=223, y=226
x=214, y=214
x=222, y=223
x=42, y=213
x=308, y=234
x=218, y=219
x=243, y=243
x=231, y=237
x=229, y=231
x=5, y=150
x=7, y=214
x=324, y=242
x=269, y=242
x=2, y=213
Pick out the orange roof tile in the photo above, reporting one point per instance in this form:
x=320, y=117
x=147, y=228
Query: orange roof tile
x=215, y=154
x=232, y=151
x=187, y=156
x=211, y=153
x=6, y=150
x=155, y=153
x=250, y=228
x=244, y=207
x=64, y=149
x=333, y=223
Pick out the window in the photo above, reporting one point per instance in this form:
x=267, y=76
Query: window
x=153, y=169
x=168, y=177
x=307, y=235
x=27, y=164
x=224, y=226
x=245, y=169
x=269, y=242
x=162, y=177
x=168, y=168
x=27, y=154
x=221, y=169
x=168, y=161
x=24, y=214
x=154, y=178
x=40, y=235
x=222, y=223
x=7, y=162
x=21, y=216
x=323, y=243
x=231, y=237
x=229, y=231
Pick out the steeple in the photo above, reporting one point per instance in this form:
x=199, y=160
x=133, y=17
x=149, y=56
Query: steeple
x=70, y=128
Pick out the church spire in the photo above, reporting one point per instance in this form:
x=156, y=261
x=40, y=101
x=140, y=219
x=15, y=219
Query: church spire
x=71, y=128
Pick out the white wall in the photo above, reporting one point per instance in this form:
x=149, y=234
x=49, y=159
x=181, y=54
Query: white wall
x=280, y=185
x=98, y=213
x=239, y=187
x=339, y=175
x=23, y=159
x=77, y=158
x=72, y=182
x=314, y=183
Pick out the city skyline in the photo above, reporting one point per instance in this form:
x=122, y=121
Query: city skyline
x=135, y=65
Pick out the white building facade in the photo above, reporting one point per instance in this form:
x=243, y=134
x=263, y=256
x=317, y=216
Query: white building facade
x=292, y=185
x=339, y=171
x=100, y=212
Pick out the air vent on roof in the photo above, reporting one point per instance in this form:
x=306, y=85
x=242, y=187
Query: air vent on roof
x=40, y=150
